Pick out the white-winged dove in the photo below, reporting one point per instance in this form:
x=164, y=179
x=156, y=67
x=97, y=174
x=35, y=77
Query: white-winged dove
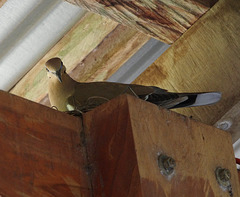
x=67, y=95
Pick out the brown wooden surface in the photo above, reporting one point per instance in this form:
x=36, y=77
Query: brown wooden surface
x=165, y=20
x=111, y=150
x=125, y=137
x=197, y=148
x=41, y=153
x=205, y=58
x=92, y=51
x=114, y=50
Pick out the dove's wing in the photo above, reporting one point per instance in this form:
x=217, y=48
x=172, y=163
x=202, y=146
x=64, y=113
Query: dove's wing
x=95, y=93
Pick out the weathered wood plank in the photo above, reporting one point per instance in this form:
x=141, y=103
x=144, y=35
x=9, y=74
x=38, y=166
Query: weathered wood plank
x=93, y=50
x=2, y=2
x=41, y=153
x=125, y=137
x=164, y=20
x=115, y=49
x=205, y=58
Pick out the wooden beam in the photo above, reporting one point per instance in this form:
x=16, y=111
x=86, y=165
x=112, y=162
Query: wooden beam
x=41, y=152
x=125, y=137
x=114, y=50
x=205, y=58
x=93, y=50
x=2, y=2
x=164, y=20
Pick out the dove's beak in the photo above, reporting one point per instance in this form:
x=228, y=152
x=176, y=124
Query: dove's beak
x=58, y=74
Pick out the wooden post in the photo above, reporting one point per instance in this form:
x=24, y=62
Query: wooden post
x=165, y=20
x=40, y=151
x=125, y=138
x=117, y=152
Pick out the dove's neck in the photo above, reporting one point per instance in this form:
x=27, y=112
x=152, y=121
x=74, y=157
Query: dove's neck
x=67, y=82
x=59, y=92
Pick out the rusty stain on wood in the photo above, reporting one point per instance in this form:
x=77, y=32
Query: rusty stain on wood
x=164, y=20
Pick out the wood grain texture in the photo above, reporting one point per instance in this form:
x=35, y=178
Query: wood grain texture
x=111, y=150
x=197, y=149
x=93, y=50
x=125, y=137
x=2, y=2
x=114, y=50
x=41, y=152
x=164, y=20
x=205, y=58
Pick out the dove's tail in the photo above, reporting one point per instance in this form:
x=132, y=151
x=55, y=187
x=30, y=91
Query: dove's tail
x=198, y=99
x=177, y=100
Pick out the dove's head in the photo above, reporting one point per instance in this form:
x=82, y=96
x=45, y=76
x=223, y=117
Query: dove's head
x=55, y=68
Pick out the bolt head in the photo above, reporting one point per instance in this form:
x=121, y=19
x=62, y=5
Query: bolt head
x=225, y=124
x=223, y=176
x=166, y=164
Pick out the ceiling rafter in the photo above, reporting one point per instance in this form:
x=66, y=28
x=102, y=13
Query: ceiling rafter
x=165, y=20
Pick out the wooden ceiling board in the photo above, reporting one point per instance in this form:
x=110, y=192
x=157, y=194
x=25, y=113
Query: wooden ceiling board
x=110, y=54
x=205, y=58
x=165, y=20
